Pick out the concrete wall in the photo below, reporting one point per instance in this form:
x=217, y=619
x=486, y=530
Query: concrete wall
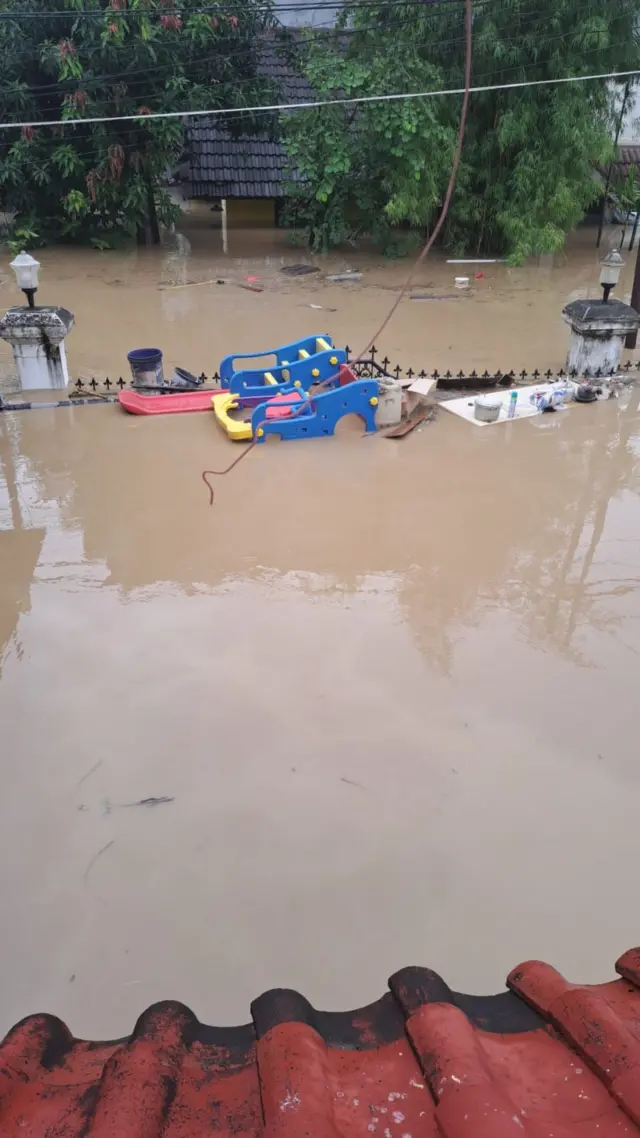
x=244, y=213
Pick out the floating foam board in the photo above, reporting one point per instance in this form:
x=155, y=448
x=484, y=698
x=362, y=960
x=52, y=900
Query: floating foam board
x=465, y=406
x=422, y=386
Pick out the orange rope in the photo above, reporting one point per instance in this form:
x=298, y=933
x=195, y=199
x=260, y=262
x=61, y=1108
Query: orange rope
x=416, y=265
x=228, y=469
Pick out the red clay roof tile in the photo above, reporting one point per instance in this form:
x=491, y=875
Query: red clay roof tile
x=547, y=1058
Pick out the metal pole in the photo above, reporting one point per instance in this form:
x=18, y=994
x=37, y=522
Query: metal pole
x=631, y=338
x=225, y=241
x=609, y=171
x=635, y=226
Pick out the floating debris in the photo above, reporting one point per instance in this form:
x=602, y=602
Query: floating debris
x=149, y=801
x=90, y=772
x=344, y=277
x=95, y=858
x=425, y=414
x=188, y=284
x=299, y=270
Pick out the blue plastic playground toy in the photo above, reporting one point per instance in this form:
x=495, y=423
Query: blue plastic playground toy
x=317, y=415
x=310, y=360
x=300, y=374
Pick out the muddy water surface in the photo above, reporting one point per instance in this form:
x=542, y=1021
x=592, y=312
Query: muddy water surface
x=508, y=318
x=390, y=688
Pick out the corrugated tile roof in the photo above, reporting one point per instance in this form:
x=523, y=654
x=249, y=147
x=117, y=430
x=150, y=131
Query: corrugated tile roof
x=253, y=166
x=627, y=157
x=545, y=1058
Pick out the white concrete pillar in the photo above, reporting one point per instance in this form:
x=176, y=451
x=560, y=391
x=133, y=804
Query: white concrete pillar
x=598, y=331
x=37, y=337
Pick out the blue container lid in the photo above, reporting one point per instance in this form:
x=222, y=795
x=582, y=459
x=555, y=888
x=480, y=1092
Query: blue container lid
x=141, y=355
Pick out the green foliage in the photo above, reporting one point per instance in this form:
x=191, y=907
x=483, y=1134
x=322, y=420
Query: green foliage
x=23, y=235
x=530, y=154
x=626, y=189
x=101, y=182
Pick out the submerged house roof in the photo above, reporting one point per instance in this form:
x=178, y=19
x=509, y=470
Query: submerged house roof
x=255, y=165
x=627, y=158
x=545, y=1058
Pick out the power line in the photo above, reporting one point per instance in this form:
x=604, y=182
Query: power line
x=315, y=103
x=283, y=46
x=215, y=9
x=82, y=137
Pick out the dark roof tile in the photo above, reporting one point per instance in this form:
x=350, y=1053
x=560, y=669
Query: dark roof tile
x=544, y=1058
x=252, y=165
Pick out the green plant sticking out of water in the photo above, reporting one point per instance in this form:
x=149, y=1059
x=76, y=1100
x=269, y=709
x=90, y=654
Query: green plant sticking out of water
x=528, y=169
x=23, y=236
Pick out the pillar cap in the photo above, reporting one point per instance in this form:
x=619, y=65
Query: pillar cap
x=22, y=323
x=614, y=316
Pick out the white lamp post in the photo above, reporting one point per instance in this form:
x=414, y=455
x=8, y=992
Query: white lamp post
x=26, y=269
x=610, y=269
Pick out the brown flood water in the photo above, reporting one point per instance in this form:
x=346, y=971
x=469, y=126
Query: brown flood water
x=510, y=318
x=390, y=687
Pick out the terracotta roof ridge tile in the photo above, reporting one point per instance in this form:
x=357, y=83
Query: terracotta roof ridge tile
x=544, y=1058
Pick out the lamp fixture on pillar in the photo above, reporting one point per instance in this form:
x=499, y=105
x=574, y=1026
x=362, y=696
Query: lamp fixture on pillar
x=26, y=269
x=610, y=269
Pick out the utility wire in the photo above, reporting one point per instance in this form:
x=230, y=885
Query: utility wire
x=282, y=47
x=216, y=10
x=315, y=103
x=285, y=44
x=524, y=66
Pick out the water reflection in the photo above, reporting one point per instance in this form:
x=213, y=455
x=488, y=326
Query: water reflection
x=522, y=518
x=20, y=548
x=363, y=677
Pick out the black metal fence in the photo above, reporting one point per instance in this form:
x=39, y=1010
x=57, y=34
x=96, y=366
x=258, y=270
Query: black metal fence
x=370, y=367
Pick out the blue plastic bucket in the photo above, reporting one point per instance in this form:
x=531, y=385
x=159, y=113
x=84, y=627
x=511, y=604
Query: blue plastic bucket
x=146, y=367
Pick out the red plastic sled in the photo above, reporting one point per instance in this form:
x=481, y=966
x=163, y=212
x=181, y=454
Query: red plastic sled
x=175, y=404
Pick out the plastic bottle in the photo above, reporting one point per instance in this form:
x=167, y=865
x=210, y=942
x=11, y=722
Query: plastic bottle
x=512, y=405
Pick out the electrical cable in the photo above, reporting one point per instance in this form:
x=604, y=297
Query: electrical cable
x=287, y=42
x=524, y=66
x=315, y=103
x=418, y=261
x=216, y=9
x=285, y=47
x=450, y=188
